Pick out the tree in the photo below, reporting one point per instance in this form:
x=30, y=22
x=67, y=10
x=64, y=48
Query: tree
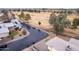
x=28, y=16
x=58, y=22
x=5, y=15
x=25, y=16
x=75, y=22
x=22, y=15
x=52, y=17
x=13, y=34
x=39, y=23
x=77, y=11
x=24, y=32
x=70, y=12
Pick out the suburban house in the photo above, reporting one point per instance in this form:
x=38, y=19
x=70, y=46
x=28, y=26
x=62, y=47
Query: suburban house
x=58, y=44
x=74, y=41
x=4, y=32
x=16, y=23
x=8, y=22
x=4, y=27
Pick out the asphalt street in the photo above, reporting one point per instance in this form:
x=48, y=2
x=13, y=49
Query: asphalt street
x=35, y=36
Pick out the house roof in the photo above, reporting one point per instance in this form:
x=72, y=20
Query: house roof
x=60, y=44
x=74, y=41
x=8, y=24
x=4, y=26
x=4, y=30
x=14, y=22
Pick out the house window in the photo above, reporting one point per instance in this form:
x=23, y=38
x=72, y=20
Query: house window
x=0, y=26
x=16, y=23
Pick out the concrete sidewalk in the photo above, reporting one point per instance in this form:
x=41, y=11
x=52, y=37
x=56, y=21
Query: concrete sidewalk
x=40, y=46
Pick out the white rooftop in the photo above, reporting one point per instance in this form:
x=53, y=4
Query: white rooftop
x=4, y=30
x=4, y=26
x=15, y=20
x=8, y=24
x=74, y=41
x=59, y=44
x=11, y=24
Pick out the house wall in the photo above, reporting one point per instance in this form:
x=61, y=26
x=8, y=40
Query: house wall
x=4, y=34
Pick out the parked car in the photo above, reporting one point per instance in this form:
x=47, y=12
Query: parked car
x=3, y=46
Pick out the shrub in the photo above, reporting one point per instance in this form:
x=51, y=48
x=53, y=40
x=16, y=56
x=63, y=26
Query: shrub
x=12, y=34
x=24, y=16
x=24, y=32
x=75, y=23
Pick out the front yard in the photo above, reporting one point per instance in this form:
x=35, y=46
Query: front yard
x=15, y=35
x=19, y=32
